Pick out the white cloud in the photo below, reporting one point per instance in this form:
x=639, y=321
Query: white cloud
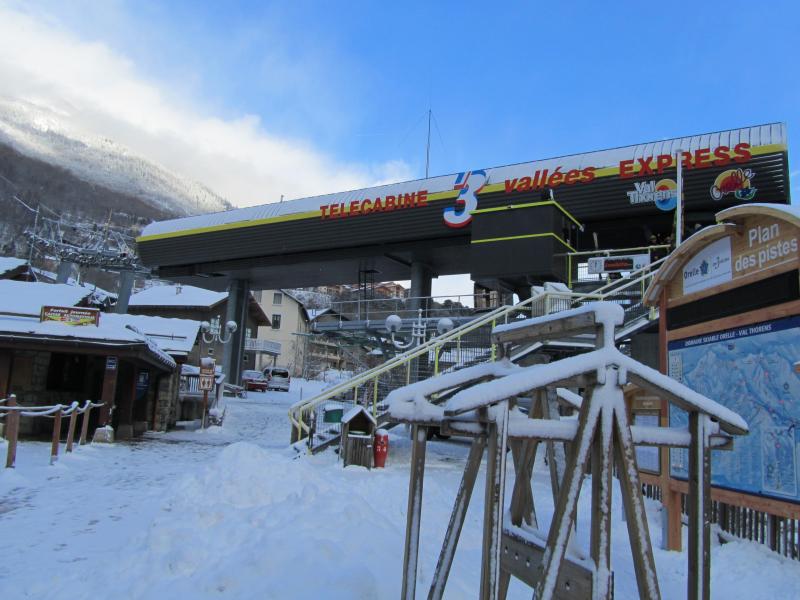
x=101, y=93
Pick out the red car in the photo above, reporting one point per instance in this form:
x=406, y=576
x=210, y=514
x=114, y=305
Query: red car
x=254, y=381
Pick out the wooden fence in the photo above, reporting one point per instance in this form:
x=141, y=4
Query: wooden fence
x=11, y=412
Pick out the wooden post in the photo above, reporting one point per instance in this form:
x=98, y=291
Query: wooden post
x=12, y=432
x=85, y=422
x=636, y=516
x=563, y=515
x=56, y=436
x=493, y=506
x=109, y=390
x=71, y=429
x=699, y=585
x=457, y=518
x=670, y=499
x=419, y=437
x=205, y=409
x=600, y=544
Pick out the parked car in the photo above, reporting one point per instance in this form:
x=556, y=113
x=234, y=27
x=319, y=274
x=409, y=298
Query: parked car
x=278, y=378
x=254, y=381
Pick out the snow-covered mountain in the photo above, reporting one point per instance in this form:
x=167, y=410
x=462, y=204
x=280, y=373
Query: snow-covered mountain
x=47, y=135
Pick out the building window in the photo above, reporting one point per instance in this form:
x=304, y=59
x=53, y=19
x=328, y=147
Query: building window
x=276, y=321
x=277, y=299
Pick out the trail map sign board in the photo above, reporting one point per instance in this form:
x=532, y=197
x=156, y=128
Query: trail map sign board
x=729, y=328
x=750, y=370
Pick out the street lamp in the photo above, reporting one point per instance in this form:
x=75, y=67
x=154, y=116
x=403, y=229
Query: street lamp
x=212, y=331
x=418, y=329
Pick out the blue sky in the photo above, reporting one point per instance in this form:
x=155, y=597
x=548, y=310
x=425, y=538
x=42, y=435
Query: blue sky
x=257, y=99
x=507, y=82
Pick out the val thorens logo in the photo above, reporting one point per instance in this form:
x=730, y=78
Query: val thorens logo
x=663, y=193
x=469, y=184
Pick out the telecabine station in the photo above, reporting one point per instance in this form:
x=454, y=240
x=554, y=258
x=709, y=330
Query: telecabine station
x=711, y=302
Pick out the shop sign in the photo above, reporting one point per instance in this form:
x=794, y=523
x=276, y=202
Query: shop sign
x=70, y=315
x=618, y=264
x=709, y=267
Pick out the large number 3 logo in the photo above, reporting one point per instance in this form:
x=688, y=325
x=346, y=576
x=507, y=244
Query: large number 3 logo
x=469, y=184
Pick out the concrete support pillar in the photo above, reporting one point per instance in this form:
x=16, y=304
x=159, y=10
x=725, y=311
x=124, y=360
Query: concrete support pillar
x=124, y=291
x=238, y=301
x=421, y=281
x=64, y=271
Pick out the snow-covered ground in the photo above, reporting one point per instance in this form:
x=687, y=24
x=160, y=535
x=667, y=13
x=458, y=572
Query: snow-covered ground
x=231, y=512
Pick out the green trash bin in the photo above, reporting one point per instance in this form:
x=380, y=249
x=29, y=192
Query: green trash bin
x=332, y=415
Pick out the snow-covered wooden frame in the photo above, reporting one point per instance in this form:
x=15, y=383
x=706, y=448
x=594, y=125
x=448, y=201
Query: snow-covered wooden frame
x=477, y=402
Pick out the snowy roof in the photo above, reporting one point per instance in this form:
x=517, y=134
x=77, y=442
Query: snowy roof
x=173, y=336
x=773, y=133
x=315, y=313
x=354, y=412
x=9, y=263
x=28, y=297
x=112, y=331
x=99, y=295
x=177, y=295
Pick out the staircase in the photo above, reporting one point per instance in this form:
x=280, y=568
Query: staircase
x=315, y=420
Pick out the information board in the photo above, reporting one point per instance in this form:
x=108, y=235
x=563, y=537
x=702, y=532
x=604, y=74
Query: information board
x=751, y=370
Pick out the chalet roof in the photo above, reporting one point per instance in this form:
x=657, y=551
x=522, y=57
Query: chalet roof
x=28, y=297
x=183, y=296
x=9, y=264
x=354, y=412
x=189, y=297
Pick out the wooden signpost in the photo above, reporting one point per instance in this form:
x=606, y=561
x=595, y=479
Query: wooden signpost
x=206, y=384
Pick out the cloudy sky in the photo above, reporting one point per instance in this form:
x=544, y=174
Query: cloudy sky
x=260, y=99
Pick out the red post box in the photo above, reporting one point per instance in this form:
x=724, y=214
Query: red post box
x=380, y=449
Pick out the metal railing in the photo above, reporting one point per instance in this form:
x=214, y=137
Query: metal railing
x=377, y=309
x=463, y=346
x=12, y=413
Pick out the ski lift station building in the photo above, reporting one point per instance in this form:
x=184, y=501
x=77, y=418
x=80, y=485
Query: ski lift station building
x=508, y=227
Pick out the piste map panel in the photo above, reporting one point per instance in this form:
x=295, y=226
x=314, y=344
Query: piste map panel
x=751, y=370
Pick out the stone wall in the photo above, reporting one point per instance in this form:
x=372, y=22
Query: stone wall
x=166, y=399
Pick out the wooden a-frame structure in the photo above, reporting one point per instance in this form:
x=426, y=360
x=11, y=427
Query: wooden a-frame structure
x=479, y=401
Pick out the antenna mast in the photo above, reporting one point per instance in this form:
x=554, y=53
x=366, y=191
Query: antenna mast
x=428, y=146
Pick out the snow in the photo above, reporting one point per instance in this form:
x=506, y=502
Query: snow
x=9, y=263
x=607, y=314
x=27, y=298
x=524, y=380
x=538, y=376
x=232, y=513
x=570, y=397
x=177, y=295
x=354, y=412
x=113, y=330
x=173, y=336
